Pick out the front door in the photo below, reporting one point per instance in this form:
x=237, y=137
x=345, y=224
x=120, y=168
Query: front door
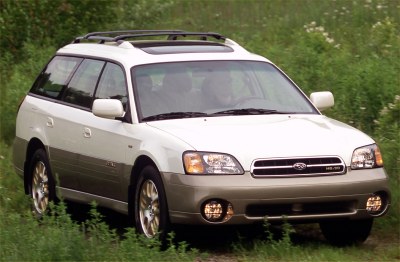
x=105, y=141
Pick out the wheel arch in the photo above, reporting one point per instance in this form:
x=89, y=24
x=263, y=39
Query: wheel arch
x=140, y=163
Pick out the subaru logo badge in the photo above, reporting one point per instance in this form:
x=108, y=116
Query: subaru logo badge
x=299, y=166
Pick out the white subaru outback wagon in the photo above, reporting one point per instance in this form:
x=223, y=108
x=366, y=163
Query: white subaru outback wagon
x=175, y=127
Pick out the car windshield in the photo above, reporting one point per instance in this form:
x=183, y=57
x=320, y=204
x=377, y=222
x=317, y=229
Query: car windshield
x=214, y=88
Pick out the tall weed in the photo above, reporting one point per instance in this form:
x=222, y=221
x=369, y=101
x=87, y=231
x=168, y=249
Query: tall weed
x=275, y=246
x=58, y=238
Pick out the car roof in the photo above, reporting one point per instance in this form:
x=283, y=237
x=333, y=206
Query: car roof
x=134, y=47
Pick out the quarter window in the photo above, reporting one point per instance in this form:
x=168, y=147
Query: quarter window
x=82, y=85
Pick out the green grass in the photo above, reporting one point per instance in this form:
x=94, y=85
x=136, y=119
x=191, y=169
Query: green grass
x=351, y=48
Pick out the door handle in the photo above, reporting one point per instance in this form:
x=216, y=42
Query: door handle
x=87, y=132
x=50, y=122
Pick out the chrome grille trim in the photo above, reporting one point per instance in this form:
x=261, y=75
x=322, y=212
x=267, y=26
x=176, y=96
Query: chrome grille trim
x=294, y=167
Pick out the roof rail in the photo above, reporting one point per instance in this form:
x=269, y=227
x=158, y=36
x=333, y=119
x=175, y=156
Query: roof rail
x=117, y=36
x=202, y=35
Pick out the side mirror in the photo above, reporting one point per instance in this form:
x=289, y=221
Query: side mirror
x=322, y=100
x=108, y=108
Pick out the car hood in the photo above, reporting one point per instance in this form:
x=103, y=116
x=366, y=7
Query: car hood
x=267, y=136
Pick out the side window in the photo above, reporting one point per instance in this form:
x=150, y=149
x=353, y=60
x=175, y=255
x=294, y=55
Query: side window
x=82, y=85
x=112, y=84
x=55, y=76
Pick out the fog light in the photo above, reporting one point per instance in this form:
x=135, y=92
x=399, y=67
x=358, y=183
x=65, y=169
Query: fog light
x=213, y=210
x=374, y=204
x=217, y=210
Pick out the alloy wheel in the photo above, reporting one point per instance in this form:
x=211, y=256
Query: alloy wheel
x=149, y=209
x=40, y=188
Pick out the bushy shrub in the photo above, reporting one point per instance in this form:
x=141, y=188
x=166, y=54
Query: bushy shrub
x=387, y=135
x=17, y=85
x=363, y=80
x=49, y=22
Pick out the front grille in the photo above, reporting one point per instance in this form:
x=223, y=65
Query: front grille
x=301, y=166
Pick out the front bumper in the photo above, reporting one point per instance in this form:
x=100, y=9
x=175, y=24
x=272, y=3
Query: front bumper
x=295, y=198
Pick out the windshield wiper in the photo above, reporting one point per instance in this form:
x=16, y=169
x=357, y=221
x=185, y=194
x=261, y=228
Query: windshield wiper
x=244, y=111
x=249, y=111
x=174, y=115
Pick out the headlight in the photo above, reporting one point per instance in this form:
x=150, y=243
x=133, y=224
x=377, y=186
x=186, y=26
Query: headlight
x=200, y=163
x=366, y=157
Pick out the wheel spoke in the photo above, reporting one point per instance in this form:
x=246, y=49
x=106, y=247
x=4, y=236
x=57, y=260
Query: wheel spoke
x=143, y=201
x=154, y=227
x=156, y=209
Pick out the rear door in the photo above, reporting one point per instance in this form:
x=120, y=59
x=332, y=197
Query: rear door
x=56, y=119
x=70, y=116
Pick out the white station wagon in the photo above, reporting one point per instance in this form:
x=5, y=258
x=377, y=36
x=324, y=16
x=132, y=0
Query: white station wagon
x=175, y=127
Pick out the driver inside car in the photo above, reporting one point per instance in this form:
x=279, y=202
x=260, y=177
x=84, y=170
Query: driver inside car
x=217, y=90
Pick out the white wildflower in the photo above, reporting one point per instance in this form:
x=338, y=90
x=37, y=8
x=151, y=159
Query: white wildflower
x=377, y=24
x=384, y=111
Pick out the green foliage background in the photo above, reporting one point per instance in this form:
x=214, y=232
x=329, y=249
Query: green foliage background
x=351, y=48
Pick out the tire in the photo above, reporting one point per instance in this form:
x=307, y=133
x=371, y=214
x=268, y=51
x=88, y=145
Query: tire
x=41, y=183
x=150, y=208
x=346, y=232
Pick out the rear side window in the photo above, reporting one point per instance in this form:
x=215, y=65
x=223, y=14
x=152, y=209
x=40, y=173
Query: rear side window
x=55, y=76
x=81, y=88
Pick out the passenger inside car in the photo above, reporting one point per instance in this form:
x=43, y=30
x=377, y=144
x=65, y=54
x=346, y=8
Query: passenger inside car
x=148, y=99
x=177, y=92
